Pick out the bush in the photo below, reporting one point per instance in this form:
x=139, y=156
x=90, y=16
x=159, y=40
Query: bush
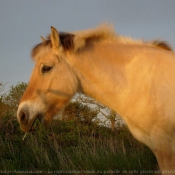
x=9, y=101
x=71, y=146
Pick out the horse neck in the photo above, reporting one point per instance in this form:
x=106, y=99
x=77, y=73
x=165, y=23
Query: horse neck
x=101, y=73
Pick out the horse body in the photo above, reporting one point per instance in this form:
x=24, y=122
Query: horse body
x=133, y=78
x=140, y=88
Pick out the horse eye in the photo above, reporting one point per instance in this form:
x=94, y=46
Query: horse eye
x=46, y=69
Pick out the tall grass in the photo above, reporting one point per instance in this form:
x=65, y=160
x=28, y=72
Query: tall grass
x=72, y=147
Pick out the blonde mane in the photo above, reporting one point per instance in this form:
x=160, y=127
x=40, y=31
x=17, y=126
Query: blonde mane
x=101, y=33
x=77, y=41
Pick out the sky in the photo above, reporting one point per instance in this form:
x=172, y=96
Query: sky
x=22, y=22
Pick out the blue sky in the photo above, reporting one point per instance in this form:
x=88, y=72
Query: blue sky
x=23, y=22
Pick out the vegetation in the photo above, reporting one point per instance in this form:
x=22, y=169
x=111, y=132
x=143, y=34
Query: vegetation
x=9, y=101
x=75, y=145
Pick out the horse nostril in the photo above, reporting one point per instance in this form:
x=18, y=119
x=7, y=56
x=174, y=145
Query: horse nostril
x=23, y=117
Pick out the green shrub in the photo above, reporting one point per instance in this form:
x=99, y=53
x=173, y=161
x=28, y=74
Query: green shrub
x=71, y=146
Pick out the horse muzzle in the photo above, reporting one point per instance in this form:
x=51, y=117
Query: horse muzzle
x=27, y=114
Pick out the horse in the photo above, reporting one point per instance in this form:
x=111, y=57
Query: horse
x=135, y=78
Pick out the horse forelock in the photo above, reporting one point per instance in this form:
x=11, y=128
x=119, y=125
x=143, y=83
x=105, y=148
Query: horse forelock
x=45, y=47
x=76, y=41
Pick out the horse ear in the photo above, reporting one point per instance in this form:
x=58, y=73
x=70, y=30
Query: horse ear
x=55, y=38
x=42, y=39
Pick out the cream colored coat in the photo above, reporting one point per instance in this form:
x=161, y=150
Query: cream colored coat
x=134, y=78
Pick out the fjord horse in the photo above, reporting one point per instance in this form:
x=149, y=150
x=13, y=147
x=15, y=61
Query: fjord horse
x=134, y=78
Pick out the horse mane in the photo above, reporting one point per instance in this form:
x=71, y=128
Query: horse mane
x=75, y=40
x=78, y=40
x=161, y=45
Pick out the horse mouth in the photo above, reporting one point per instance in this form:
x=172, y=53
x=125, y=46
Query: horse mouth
x=38, y=120
x=32, y=126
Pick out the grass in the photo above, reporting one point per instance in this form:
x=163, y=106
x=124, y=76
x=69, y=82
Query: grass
x=72, y=148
